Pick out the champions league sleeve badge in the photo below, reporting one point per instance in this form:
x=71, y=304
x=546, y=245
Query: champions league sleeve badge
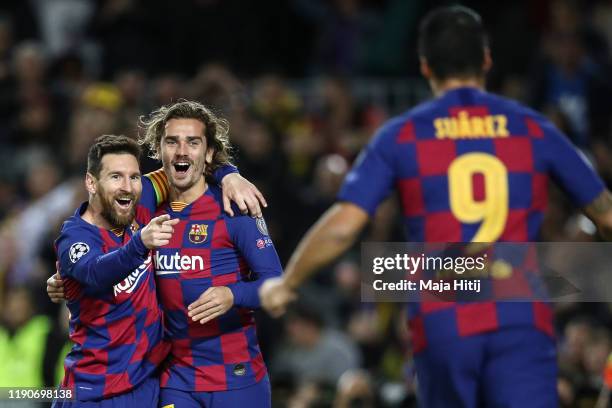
x=77, y=250
x=261, y=225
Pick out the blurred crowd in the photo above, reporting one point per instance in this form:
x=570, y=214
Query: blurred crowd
x=304, y=84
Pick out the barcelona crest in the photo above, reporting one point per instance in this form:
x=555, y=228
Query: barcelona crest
x=198, y=233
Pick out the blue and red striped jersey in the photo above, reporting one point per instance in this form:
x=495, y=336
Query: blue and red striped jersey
x=116, y=321
x=209, y=249
x=471, y=166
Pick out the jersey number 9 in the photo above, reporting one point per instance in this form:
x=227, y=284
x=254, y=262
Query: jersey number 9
x=492, y=211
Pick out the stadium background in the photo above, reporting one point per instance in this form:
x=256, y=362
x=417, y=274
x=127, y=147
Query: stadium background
x=304, y=84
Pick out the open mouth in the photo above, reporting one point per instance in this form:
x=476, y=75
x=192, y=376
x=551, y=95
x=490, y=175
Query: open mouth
x=124, y=202
x=181, y=167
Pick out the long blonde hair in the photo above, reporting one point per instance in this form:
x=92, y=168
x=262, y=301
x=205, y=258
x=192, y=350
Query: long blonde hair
x=216, y=130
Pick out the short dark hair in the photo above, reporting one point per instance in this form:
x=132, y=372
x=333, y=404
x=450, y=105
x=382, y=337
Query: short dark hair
x=109, y=144
x=453, y=40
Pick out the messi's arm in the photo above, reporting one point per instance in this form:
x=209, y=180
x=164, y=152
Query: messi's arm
x=236, y=188
x=156, y=186
x=81, y=258
x=239, y=190
x=155, y=191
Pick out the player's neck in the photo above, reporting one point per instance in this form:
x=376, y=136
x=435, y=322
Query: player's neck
x=191, y=194
x=440, y=87
x=93, y=215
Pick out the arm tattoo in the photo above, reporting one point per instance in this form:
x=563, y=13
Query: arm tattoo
x=601, y=204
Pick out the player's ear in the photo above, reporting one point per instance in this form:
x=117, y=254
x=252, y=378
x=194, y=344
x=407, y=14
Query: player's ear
x=90, y=183
x=158, y=149
x=487, y=63
x=425, y=68
x=210, y=152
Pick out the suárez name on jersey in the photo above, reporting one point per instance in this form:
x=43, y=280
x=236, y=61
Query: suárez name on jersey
x=167, y=264
x=464, y=126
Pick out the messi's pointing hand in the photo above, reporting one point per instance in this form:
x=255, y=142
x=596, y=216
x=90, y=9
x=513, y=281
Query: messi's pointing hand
x=158, y=231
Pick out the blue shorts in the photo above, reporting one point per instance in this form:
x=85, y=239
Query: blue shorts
x=255, y=396
x=508, y=368
x=145, y=395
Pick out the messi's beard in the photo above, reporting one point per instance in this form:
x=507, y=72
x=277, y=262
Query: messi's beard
x=111, y=215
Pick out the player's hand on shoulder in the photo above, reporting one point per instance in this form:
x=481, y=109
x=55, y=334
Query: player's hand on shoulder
x=244, y=193
x=55, y=288
x=214, y=302
x=275, y=296
x=158, y=231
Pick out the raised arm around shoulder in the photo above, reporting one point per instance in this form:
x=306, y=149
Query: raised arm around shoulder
x=329, y=237
x=600, y=212
x=244, y=193
x=155, y=189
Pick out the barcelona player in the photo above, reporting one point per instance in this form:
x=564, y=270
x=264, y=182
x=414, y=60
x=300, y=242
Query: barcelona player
x=108, y=276
x=214, y=265
x=209, y=273
x=468, y=166
x=115, y=323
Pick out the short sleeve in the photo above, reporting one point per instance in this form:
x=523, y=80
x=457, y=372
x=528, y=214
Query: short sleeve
x=372, y=177
x=569, y=168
